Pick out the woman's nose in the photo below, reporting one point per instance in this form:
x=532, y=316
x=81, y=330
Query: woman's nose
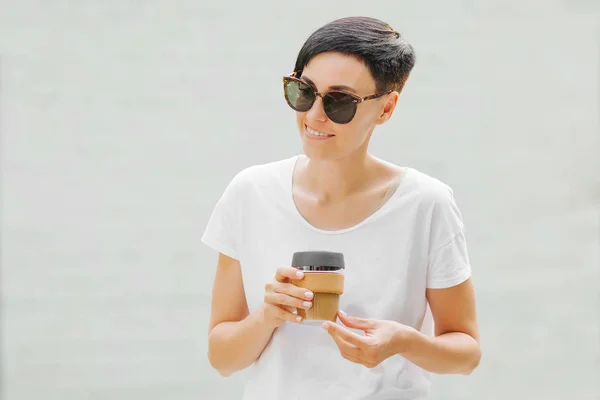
x=317, y=112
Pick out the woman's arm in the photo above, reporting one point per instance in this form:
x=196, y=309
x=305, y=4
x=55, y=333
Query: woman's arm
x=455, y=348
x=236, y=337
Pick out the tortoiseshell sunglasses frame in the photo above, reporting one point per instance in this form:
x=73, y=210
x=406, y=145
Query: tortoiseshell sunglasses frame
x=355, y=99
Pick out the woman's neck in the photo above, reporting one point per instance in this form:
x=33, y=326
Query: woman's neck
x=331, y=181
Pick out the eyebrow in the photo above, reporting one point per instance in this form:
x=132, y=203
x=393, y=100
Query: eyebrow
x=334, y=87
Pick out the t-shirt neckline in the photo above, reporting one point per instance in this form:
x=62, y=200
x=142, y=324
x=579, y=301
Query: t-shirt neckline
x=290, y=195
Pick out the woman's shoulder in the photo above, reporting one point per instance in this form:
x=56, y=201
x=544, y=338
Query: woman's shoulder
x=430, y=189
x=262, y=175
x=414, y=179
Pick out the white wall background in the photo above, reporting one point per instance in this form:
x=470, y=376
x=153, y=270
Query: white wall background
x=122, y=122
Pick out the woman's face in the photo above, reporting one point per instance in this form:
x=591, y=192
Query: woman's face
x=328, y=71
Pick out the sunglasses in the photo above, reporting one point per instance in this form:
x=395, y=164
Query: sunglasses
x=339, y=106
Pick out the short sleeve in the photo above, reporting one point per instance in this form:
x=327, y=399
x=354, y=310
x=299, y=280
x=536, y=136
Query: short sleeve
x=223, y=228
x=449, y=263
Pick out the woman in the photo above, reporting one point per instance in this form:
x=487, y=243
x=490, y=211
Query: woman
x=408, y=308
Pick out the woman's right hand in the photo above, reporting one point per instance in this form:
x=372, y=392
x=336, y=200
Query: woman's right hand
x=282, y=297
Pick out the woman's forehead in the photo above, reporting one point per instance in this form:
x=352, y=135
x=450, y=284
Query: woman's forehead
x=330, y=70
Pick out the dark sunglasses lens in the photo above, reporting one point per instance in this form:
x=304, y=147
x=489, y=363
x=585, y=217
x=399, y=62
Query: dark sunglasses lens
x=299, y=95
x=339, y=107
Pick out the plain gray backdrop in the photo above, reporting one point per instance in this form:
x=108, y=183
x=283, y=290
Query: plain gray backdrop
x=122, y=123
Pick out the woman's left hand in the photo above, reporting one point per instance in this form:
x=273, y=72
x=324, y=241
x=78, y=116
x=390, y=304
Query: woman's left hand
x=382, y=339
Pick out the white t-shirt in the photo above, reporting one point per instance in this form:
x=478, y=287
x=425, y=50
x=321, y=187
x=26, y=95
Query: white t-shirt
x=414, y=241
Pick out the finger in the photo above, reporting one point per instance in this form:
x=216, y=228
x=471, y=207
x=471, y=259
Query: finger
x=353, y=359
x=283, y=314
x=285, y=274
x=293, y=290
x=348, y=350
x=352, y=353
x=289, y=316
x=290, y=290
x=282, y=299
x=293, y=310
x=355, y=322
x=358, y=358
x=342, y=332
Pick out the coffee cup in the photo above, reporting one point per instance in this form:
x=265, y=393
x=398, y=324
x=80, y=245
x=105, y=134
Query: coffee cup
x=324, y=276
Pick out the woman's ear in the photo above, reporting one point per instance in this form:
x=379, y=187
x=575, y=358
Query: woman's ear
x=391, y=100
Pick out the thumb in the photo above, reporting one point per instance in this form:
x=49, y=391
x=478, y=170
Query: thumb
x=356, y=322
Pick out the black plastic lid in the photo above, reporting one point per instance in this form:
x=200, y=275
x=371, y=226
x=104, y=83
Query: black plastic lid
x=317, y=259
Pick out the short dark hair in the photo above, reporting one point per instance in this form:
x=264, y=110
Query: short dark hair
x=387, y=55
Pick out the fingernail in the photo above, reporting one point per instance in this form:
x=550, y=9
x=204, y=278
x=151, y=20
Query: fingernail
x=307, y=304
x=343, y=313
x=298, y=319
x=308, y=295
x=325, y=325
x=299, y=274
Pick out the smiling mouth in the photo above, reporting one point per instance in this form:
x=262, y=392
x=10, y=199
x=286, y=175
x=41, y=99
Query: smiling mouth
x=318, y=134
